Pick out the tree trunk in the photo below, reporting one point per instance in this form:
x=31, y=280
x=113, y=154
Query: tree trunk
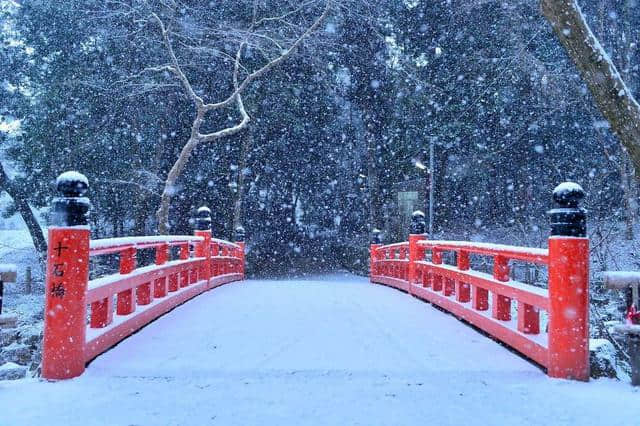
x=627, y=182
x=146, y=198
x=441, y=210
x=613, y=98
x=169, y=185
x=372, y=172
x=20, y=200
x=247, y=143
x=203, y=108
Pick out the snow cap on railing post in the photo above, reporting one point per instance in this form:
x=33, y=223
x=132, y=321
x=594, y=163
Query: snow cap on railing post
x=568, y=285
x=568, y=219
x=373, y=255
x=239, y=239
x=203, y=248
x=239, y=234
x=418, y=225
x=417, y=233
x=376, y=236
x=203, y=219
x=67, y=278
x=72, y=209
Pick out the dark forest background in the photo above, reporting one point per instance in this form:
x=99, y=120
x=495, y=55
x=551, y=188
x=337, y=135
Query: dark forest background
x=334, y=129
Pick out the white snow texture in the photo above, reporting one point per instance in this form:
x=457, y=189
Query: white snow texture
x=328, y=351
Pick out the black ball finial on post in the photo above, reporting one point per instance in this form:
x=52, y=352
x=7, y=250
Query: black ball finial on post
x=418, y=224
x=568, y=219
x=239, y=234
x=376, y=236
x=203, y=219
x=72, y=208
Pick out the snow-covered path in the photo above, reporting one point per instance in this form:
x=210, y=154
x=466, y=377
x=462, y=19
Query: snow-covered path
x=330, y=351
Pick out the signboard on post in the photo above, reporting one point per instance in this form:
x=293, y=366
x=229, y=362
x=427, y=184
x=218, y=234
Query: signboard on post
x=407, y=203
x=8, y=274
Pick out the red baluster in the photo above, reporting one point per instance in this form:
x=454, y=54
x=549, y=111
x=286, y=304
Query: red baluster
x=463, y=290
x=184, y=255
x=528, y=319
x=126, y=303
x=160, y=284
x=436, y=278
x=479, y=298
x=501, y=305
x=215, y=264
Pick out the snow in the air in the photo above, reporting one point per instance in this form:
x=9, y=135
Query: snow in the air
x=145, y=240
x=479, y=246
x=566, y=187
x=72, y=176
x=309, y=129
x=8, y=267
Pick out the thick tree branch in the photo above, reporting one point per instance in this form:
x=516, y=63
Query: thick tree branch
x=175, y=68
x=245, y=117
x=194, y=140
x=613, y=98
x=202, y=108
x=20, y=199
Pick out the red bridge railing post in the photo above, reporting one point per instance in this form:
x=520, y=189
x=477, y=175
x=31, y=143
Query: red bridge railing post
x=215, y=252
x=418, y=229
x=239, y=238
x=436, y=279
x=463, y=290
x=373, y=253
x=203, y=248
x=568, y=286
x=501, y=305
x=66, y=281
x=160, y=284
x=184, y=254
x=126, y=302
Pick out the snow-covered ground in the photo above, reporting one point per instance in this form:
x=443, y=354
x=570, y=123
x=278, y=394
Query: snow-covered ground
x=17, y=248
x=328, y=351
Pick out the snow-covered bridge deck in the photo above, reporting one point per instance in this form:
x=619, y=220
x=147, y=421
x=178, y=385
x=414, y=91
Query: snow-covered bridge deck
x=329, y=351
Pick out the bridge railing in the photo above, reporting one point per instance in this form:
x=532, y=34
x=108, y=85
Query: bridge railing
x=506, y=309
x=83, y=317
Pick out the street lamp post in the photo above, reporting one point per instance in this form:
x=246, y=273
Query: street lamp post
x=430, y=180
x=418, y=162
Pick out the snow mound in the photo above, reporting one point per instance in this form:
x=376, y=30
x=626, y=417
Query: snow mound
x=72, y=176
x=8, y=267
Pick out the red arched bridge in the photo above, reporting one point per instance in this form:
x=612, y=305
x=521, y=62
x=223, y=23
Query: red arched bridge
x=287, y=349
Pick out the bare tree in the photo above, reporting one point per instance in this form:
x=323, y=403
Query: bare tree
x=272, y=45
x=247, y=143
x=373, y=182
x=613, y=98
x=628, y=185
x=19, y=196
